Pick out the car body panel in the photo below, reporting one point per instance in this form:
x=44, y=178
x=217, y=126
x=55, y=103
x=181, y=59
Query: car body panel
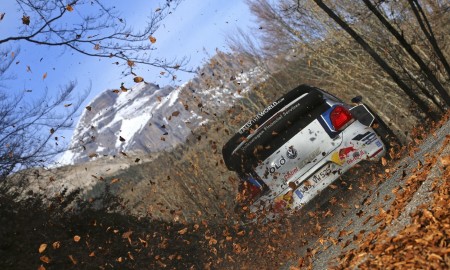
x=291, y=150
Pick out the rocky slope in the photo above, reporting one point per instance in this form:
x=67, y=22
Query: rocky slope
x=148, y=118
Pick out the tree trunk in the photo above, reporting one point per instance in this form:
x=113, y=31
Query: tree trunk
x=425, y=69
x=422, y=20
x=383, y=64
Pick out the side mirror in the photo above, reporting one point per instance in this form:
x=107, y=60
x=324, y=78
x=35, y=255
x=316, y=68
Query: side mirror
x=357, y=99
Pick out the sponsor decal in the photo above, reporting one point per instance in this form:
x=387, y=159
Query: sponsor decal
x=290, y=173
x=343, y=155
x=280, y=163
x=367, y=138
x=291, y=153
x=356, y=156
x=258, y=116
x=340, y=156
x=299, y=194
x=378, y=143
x=283, y=202
x=345, y=152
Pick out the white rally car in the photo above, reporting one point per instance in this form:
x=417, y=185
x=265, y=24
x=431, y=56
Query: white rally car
x=299, y=145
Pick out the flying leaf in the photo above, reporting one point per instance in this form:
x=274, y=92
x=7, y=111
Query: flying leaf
x=67, y=105
x=76, y=238
x=158, y=9
x=2, y=15
x=28, y=69
x=97, y=47
x=383, y=161
x=52, y=131
x=73, y=259
x=45, y=259
x=42, y=248
x=44, y=76
x=69, y=8
x=152, y=39
x=26, y=20
x=56, y=245
x=115, y=180
x=89, y=108
x=121, y=139
x=445, y=160
x=138, y=79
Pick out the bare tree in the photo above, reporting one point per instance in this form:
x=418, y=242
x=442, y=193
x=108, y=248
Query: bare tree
x=407, y=46
x=28, y=129
x=93, y=28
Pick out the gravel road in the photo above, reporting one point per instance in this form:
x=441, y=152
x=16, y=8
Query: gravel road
x=356, y=215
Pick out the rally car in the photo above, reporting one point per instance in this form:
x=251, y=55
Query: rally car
x=297, y=146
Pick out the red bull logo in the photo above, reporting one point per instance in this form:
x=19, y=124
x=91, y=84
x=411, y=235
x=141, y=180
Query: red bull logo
x=345, y=152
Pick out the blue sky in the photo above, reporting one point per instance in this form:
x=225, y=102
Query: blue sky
x=196, y=26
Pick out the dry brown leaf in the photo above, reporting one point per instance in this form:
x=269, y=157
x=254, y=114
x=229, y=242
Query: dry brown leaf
x=67, y=105
x=44, y=76
x=56, y=245
x=42, y=247
x=127, y=235
x=69, y=8
x=92, y=254
x=383, y=161
x=26, y=20
x=89, y=108
x=445, y=161
x=115, y=180
x=41, y=267
x=76, y=238
x=138, y=79
x=183, y=231
x=73, y=259
x=97, y=47
x=45, y=259
x=152, y=39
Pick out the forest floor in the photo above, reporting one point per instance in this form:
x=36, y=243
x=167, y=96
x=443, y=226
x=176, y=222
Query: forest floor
x=389, y=215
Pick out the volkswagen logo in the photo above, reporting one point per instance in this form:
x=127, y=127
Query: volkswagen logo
x=291, y=153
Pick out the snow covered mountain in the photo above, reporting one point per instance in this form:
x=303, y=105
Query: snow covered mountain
x=147, y=118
